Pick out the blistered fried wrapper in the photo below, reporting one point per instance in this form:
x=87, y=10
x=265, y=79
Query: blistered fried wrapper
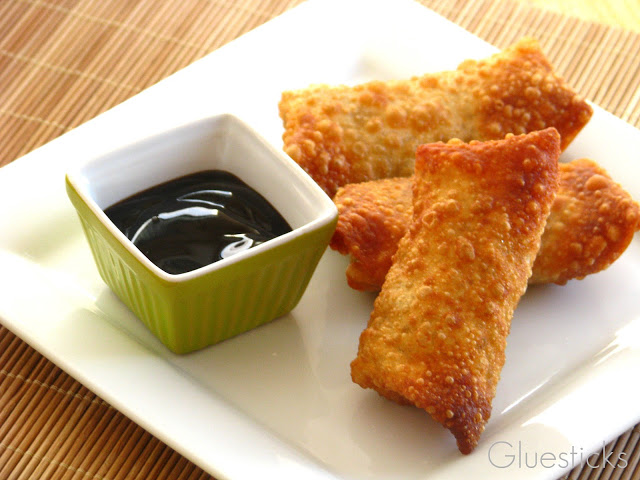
x=350, y=134
x=592, y=222
x=437, y=335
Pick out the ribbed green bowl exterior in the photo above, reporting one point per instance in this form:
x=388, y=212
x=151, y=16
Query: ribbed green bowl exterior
x=201, y=311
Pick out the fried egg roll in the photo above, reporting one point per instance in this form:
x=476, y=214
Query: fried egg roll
x=350, y=134
x=592, y=222
x=437, y=335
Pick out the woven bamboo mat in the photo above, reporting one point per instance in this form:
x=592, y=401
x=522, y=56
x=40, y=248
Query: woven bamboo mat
x=63, y=62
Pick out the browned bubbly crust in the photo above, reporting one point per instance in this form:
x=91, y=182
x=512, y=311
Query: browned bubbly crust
x=592, y=222
x=350, y=134
x=372, y=218
x=437, y=335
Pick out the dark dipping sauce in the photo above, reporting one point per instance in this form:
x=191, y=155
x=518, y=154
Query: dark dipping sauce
x=195, y=220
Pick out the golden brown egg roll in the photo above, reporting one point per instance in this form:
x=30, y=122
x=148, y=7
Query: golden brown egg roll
x=350, y=134
x=592, y=222
x=437, y=335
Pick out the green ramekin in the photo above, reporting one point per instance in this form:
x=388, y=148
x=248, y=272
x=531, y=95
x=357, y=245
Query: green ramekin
x=196, y=309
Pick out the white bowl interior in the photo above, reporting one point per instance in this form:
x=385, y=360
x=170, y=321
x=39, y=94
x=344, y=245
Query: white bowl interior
x=220, y=142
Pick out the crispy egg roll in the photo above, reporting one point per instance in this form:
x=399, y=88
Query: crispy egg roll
x=592, y=222
x=437, y=335
x=350, y=134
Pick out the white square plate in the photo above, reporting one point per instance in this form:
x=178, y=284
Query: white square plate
x=278, y=401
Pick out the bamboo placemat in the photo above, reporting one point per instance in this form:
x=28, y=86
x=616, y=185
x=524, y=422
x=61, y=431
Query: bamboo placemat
x=62, y=62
